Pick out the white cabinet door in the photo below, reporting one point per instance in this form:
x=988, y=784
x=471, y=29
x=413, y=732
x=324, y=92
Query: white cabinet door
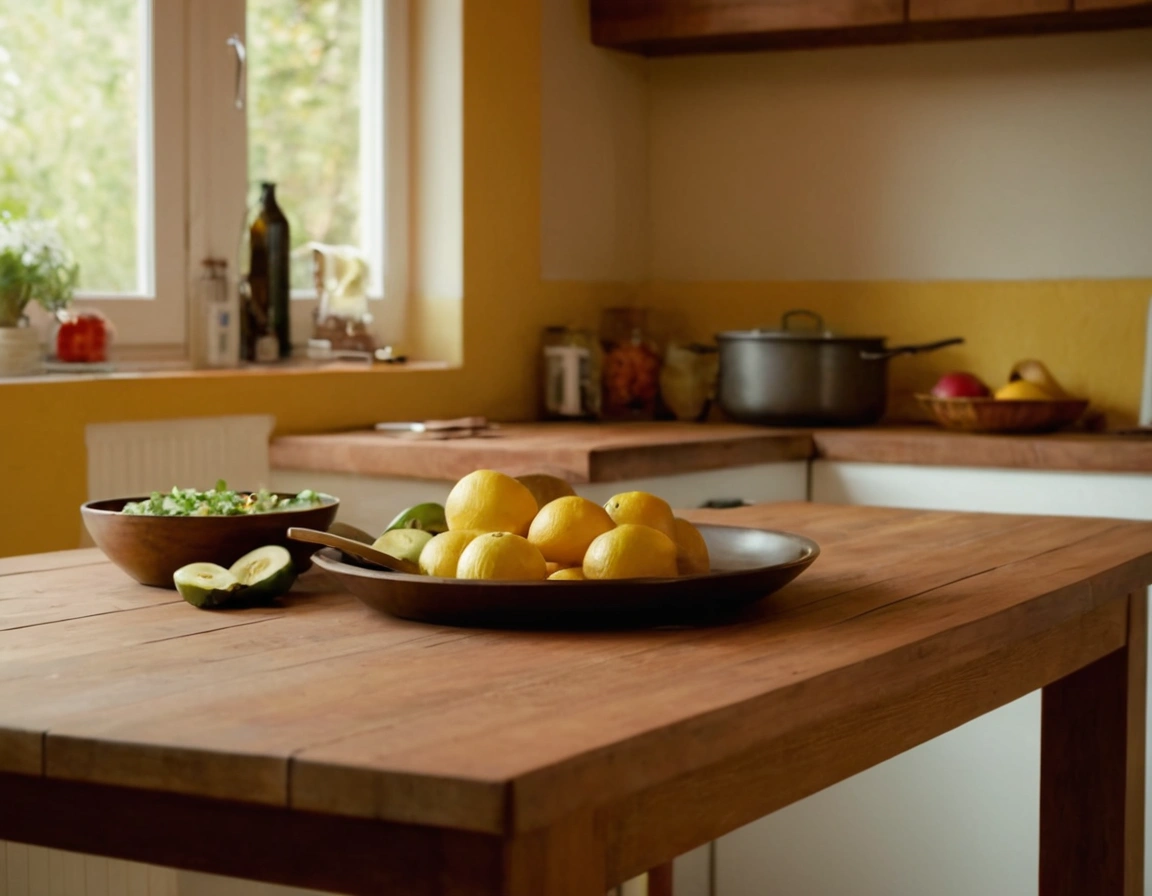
x=958, y=815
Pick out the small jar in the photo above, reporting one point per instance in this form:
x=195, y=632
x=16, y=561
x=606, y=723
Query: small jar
x=80, y=337
x=631, y=376
x=571, y=374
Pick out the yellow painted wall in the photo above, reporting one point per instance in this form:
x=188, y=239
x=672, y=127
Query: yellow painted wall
x=1089, y=333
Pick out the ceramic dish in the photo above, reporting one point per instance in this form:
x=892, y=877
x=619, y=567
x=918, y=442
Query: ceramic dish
x=747, y=565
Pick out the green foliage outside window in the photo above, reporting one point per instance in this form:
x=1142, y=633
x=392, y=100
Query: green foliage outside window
x=70, y=75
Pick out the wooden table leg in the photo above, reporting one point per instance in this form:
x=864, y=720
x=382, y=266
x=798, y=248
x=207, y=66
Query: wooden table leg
x=1092, y=773
x=660, y=880
x=566, y=859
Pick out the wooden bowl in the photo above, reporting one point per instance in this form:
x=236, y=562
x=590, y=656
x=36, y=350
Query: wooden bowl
x=151, y=548
x=1002, y=415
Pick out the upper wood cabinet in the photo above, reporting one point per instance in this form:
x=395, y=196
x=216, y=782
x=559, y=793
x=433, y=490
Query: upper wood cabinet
x=661, y=25
x=655, y=27
x=955, y=10
x=1110, y=4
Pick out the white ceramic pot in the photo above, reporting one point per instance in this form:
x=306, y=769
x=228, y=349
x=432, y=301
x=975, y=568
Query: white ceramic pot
x=20, y=351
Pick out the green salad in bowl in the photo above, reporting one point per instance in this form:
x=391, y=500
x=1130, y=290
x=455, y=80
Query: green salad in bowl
x=151, y=537
x=221, y=501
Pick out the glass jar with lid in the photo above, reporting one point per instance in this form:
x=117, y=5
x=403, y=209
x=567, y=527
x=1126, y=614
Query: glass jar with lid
x=631, y=371
x=571, y=374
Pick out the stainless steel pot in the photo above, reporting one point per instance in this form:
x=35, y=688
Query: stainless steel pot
x=806, y=376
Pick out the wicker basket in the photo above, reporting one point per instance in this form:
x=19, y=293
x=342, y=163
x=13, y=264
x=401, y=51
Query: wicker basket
x=999, y=415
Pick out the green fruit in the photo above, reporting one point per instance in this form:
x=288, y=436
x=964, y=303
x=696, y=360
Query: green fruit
x=404, y=544
x=428, y=516
x=206, y=585
x=264, y=573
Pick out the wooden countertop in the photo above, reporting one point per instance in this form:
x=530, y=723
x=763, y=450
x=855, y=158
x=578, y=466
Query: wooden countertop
x=609, y=452
x=578, y=452
x=349, y=750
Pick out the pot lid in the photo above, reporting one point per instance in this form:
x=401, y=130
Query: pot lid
x=814, y=331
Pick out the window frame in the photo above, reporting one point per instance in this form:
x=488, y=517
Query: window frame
x=157, y=314
x=198, y=203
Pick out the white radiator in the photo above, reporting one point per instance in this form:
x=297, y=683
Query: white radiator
x=154, y=455
x=35, y=871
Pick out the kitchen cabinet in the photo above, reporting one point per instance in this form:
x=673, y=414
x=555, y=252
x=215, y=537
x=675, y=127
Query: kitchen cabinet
x=943, y=10
x=668, y=27
x=1109, y=4
x=956, y=815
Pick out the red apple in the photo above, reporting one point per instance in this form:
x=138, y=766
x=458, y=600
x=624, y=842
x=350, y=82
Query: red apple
x=960, y=384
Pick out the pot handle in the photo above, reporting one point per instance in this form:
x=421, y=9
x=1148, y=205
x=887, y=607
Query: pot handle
x=801, y=312
x=909, y=349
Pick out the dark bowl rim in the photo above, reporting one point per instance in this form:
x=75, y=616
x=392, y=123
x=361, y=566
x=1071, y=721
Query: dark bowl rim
x=810, y=547
x=92, y=507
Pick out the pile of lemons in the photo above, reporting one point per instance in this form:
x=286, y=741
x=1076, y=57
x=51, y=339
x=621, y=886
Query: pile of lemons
x=502, y=528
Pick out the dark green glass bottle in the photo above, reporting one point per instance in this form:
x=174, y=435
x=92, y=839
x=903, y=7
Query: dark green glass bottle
x=268, y=281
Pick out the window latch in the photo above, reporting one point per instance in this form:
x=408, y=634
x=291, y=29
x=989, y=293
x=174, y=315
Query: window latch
x=241, y=58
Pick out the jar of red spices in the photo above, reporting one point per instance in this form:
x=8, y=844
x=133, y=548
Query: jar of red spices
x=81, y=337
x=631, y=365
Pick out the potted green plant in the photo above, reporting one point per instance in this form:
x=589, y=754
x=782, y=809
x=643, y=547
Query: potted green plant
x=35, y=266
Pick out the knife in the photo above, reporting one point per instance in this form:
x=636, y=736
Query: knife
x=470, y=423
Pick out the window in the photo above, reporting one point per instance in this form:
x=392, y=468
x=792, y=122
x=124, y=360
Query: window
x=77, y=116
x=130, y=123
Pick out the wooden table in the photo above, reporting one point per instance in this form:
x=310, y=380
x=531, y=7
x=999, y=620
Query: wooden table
x=322, y=745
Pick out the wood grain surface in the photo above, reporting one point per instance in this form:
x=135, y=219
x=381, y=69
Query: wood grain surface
x=930, y=446
x=625, y=21
x=578, y=452
x=1092, y=772
x=937, y=10
x=671, y=27
x=1109, y=4
x=611, y=452
x=909, y=624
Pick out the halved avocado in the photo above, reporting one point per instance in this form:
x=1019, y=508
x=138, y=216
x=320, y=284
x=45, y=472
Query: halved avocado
x=206, y=585
x=264, y=573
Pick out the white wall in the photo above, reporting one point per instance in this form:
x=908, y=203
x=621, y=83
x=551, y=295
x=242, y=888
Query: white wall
x=1014, y=158
x=594, y=149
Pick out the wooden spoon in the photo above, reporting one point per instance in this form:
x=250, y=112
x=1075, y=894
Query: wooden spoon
x=357, y=549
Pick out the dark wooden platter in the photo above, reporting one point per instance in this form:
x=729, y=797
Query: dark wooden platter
x=747, y=565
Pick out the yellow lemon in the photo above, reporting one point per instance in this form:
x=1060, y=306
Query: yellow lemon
x=572, y=574
x=643, y=509
x=564, y=528
x=551, y=567
x=490, y=502
x=691, y=550
x=631, y=551
x=546, y=488
x=442, y=554
x=501, y=556
x=1022, y=390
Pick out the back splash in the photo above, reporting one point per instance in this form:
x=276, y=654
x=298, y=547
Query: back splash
x=1090, y=333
